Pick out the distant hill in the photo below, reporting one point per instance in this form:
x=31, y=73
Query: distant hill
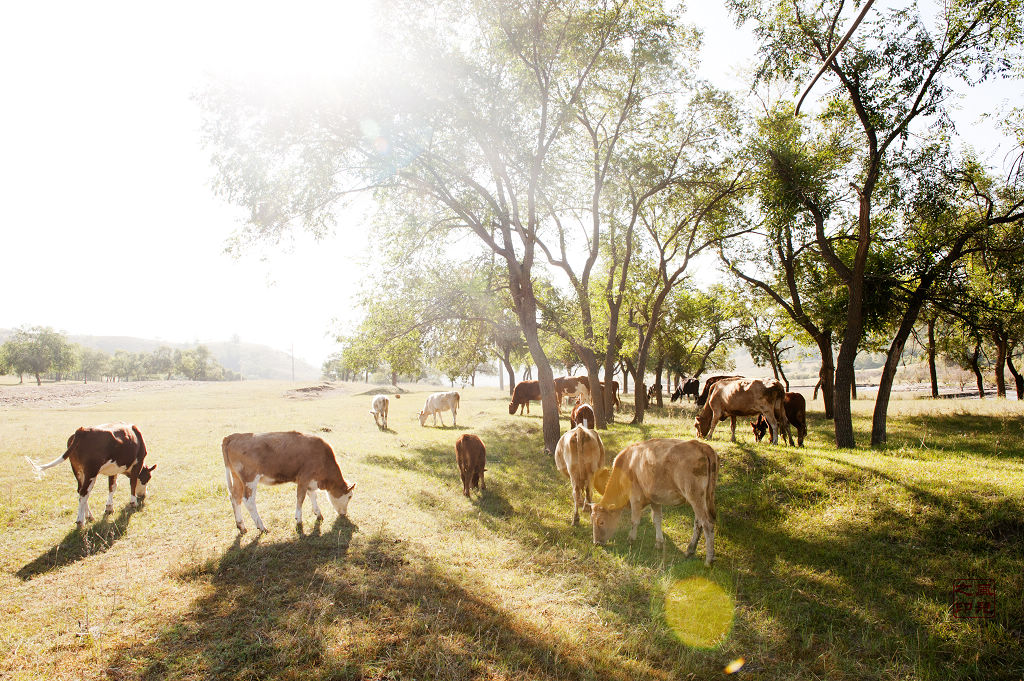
x=252, y=360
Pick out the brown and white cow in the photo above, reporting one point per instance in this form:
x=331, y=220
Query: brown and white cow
x=276, y=458
x=524, y=393
x=796, y=413
x=582, y=414
x=110, y=449
x=743, y=397
x=709, y=384
x=567, y=386
x=471, y=457
x=578, y=455
x=656, y=473
x=379, y=411
x=437, y=403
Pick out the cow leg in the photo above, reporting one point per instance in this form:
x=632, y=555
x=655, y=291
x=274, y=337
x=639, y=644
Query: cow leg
x=385, y=417
x=733, y=428
x=453, y=419
x=84, y=514
x=774, y=426
x=483, y=487
x=691, y=548
x=636, y=511
x=235, y=491
x=250, y=504
x=659, y=538
x=578, y=495
x=110, y=494
x=301, y=487
x=709, y=540
x=715, y=418
x=313, y=494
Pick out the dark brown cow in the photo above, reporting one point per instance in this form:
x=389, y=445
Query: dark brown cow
x=708, y=385
x=690, y=386
x=582, y=414
x=615, y=394
x=796, y=413
x=275, y=458
x=524, y=393
x=110, y=449
x=471, y=456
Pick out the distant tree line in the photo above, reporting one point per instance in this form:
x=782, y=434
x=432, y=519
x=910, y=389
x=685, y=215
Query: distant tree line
x=41, y=352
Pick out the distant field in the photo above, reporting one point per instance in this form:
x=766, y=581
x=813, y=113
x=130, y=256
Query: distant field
x=830, y=564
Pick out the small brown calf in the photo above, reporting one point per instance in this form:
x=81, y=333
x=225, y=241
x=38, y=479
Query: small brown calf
x=471, y=456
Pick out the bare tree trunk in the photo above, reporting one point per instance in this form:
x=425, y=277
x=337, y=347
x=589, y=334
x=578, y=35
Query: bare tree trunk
x=1001, y=344
x=589, y=361
x=507, y=360
x=785, y=380
x=827, y=373
x=977, y=370
x=932, y=373
x=1017, y=378
x=889, y=369
x=625, y=377
x=394, y=378
x=38, y=380
x=657, y=380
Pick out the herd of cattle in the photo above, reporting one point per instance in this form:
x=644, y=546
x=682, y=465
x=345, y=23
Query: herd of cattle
x=653, y=473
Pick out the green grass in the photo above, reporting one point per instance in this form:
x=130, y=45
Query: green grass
x=838, y=564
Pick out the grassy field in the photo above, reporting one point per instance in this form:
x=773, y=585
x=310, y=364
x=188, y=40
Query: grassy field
x=829, y=563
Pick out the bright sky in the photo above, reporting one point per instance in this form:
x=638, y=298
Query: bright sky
x=109, y=223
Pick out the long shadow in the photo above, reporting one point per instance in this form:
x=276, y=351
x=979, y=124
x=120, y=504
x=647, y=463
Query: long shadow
x=79, y=544
x=338, y=607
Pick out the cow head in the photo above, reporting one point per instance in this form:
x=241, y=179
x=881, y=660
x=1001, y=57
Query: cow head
x=423, y=418
x=614, y=485
x=511, y=408
x=702, y=423
x=340, y=501
x=760, y=427
x=145, y=475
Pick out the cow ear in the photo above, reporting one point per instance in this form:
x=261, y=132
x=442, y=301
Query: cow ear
x=151, y=468
x=350, y=488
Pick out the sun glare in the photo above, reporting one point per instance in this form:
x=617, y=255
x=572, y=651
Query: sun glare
x=699, y=612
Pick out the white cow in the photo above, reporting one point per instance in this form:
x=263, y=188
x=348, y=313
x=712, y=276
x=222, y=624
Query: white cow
x=380, y=411
x=437, y=403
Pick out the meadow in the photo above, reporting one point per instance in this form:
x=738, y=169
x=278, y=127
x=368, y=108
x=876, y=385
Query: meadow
x=836, y=564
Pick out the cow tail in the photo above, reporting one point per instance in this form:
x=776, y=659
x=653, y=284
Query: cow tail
x=456, y=400
x=709, y=490
x=141, y=455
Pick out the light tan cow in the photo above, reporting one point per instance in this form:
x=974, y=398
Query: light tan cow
x=744, y=397
x=275, y=458
x=655, y=473
x=578, y=455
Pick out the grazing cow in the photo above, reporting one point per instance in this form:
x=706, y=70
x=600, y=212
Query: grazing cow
x=708, y=385
x=275, y=458
x=524, y=393
x=379, y=411
x=653, y=391
x=572, y=385
x=743, y=397
x=471, y=456
x=796, y=413
x=578, y=455
x=654, y=473
x=690, y=386
x=437, y=403
x=582, y=414
x=110, y=449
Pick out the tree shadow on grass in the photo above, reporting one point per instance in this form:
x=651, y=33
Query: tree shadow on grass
x=79, y=544
x=338, y=607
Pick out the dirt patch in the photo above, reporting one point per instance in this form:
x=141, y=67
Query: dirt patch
x=59, y=395
x=310, y=392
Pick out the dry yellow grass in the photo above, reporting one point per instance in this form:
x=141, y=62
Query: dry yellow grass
x=839, y=563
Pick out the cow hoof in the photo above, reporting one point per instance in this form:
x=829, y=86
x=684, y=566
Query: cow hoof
x=80, y=525
x=241, y=528
x=108, y=510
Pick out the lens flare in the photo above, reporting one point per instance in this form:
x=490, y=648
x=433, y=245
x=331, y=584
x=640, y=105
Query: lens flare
x=734, y=666
x=699, y=612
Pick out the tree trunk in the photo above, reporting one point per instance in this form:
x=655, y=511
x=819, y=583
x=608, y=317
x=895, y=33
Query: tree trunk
x=782, y=373
x=394, y=378
x=932, y=373
x=1017, y=378
x=1001, y=343
x=657, y=380
x=827, y=372
x=589, y=361
x=853, y=387
x=889, y=369
x=511, y=373
x=977, y=370
x=625, y=378
x=38, y=380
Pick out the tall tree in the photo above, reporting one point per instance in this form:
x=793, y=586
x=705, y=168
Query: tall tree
x=894, y=79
